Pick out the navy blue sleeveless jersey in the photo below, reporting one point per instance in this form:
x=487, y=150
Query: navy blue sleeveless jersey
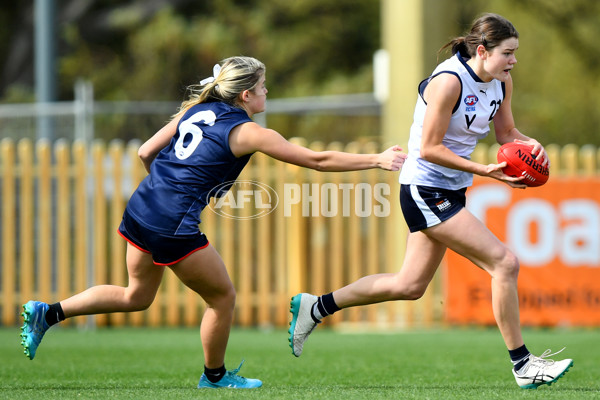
x=197, y=160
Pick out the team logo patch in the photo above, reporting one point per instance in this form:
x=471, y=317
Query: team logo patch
x=471, y=100
x=443, y=205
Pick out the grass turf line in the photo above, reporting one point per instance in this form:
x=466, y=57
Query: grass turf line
x=135, y=363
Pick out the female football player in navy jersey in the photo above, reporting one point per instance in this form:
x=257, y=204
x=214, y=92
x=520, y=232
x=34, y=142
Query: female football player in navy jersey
x=454, y=109
x=206, y=144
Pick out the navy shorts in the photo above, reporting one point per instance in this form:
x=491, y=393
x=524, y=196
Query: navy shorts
x=424, y=207
x=165, y=249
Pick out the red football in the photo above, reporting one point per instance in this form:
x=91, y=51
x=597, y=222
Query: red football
x=520, y=161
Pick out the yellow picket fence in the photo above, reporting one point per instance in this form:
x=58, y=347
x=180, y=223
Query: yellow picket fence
x=61, y=205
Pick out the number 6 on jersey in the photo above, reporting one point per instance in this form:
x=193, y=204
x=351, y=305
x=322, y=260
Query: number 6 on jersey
x=188, y=126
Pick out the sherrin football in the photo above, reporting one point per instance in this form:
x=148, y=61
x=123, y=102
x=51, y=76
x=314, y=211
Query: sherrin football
x=520, y=162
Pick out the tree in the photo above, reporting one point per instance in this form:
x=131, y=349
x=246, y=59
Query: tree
x=153, y=49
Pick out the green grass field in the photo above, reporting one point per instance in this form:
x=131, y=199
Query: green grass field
x=167, y=363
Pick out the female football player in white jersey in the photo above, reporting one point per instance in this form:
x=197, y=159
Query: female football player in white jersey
x=206, y=145
x=454, y=109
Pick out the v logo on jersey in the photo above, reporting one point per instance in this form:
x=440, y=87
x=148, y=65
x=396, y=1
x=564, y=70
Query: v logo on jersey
x=470, y=121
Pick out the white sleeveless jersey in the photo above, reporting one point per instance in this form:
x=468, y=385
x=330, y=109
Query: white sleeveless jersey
x=470, y=122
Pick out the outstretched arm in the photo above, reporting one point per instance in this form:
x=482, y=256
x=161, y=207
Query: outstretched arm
x=250, y=137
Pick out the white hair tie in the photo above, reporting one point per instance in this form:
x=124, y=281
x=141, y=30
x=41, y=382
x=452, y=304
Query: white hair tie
x=211, y=79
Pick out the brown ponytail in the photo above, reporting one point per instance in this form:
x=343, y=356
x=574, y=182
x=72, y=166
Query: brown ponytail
x=488, y=30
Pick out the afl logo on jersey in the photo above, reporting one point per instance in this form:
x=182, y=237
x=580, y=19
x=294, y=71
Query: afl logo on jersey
x=471, y=100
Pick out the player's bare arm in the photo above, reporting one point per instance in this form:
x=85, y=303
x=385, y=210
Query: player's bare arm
x=251, y=137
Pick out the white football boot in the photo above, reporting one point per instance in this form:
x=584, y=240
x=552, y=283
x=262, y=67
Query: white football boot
x=302, y=321
x=541, y=370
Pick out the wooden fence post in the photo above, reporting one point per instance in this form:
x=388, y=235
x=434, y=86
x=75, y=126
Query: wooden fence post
x=264, y=294
x=117, y=267
x=296, y=235
x=354, y=246
x=44, y=219
x=81, y=209
x=99, y=219
x=27, y=218
x=336, y=260
x=63, y=220
x=7, y=151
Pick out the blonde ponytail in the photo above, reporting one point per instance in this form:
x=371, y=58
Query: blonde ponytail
x=230, y=78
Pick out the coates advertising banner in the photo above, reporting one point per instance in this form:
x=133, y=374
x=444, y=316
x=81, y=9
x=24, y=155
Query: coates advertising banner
x=554, y=230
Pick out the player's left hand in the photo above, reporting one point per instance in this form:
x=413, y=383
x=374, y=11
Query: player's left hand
x=538, y=151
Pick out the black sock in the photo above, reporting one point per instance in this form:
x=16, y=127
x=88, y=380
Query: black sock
x=54, y=314
x=215, y=374
x=327, y=305
x=519, y=357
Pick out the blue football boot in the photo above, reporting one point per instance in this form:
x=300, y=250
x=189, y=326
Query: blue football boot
x=34, y=327
x=231, y=380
